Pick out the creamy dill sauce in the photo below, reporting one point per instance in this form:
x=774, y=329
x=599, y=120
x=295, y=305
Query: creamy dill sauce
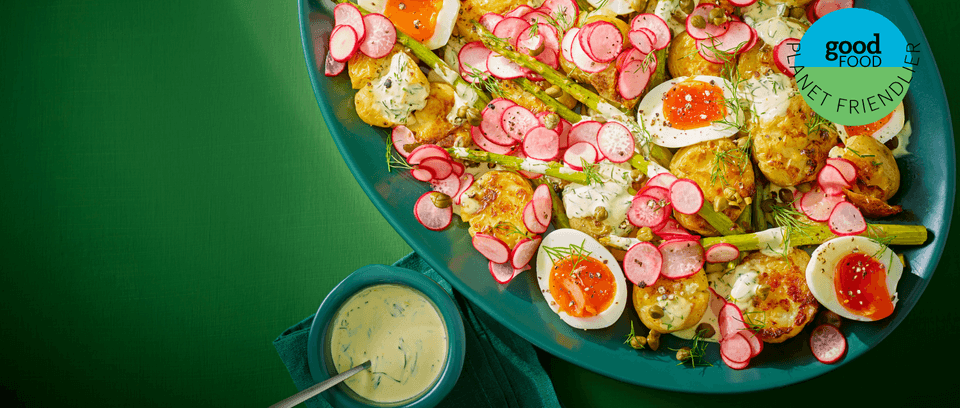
x=771, y=27
x=769, y=95
x=739, y=285
x=397, y=93
x=402, y=335
x=582, y=201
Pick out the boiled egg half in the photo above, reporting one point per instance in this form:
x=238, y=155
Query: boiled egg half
x=580, y=280
x=883, y=130
x=689, y=110
x=855, y=277
x=428, y=21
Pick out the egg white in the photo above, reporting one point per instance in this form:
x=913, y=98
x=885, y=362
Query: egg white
x=823, y=266
x=650, y=113
x=885, y=133
x=564, y=238
x=446, y=19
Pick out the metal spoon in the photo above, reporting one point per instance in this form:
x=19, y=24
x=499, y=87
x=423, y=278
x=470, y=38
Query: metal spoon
x=321, y=387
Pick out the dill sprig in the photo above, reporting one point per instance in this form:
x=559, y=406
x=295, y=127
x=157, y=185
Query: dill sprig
x=509, y=229
x=737, y=156
x=755, y=320
x=579, y=252
x=858, y=153
x=395, y=161
x=790, y=221
x=698, y=351
x=489, y=83
x=632, y=334
x=815, y=123
x=883, y=241
x=590, y=172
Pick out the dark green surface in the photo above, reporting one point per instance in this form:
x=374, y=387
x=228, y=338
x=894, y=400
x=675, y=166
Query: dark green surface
x=171, y=201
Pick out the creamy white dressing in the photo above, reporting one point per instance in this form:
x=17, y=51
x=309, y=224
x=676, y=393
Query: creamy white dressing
x=464, y=95
x=397, y=92
x=534, y=165
x=612, y=194
x=904, y=137
x=773, y=31
x=768, y=95
x=666, y=9
x=402, y=335
x=761, y=11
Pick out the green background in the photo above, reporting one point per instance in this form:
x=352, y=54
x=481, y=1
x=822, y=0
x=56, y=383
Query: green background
x=170, y=201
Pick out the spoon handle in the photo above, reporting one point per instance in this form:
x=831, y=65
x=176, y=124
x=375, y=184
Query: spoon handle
x=306, y=394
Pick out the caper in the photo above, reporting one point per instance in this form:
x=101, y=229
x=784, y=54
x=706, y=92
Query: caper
x=763, y=291
x=715, y=13
x=742, y=142
x=720, y=204
x=462, y=112
x=600, y=213
x=684, y=354
x=892, y=143
x=554, y=91
x=638, y=342
x=473, y=116
x=678, y=17
x=653, y=340
x=719, y=21
x=797, y=12
x=551, y=120
x=748, y=200
x=803, y=188
x=645, y=234
x=440, y=200
x=656, y=311
x=686, y=6
x=538, y=50
x=730, y=193
x=706, y=330
x=699, y=22
x=767, y=205
x=786, y=196
x=640, y=5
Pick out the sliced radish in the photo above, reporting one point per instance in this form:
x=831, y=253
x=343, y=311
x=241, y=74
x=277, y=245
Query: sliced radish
x=502, y=272
x=722, y=252
x=567, y=8
x=458, y=168
x=516, y=121
x=481, y=141
x=579, y=153
x=754, y=37
x=811, y=13
x=424, y=151
x=581, y=59
x=824, y=7
x=550, y=57
x=615, y=142
x=565, y=128
x=717, y=302
x=529, y=42
x=736, y=348
x=736, y=38
x=629, y=55
x=401, y=137
x=348, y=14
x=491, y=247
x=731, y=321
x=332, y=67
x=672, y=230
x=782, y=56
x=466, y=181
x=432, y=217
x=647, y=211
x=711, y=30
x=567, y=42
x=473, y=59
x=440, y=167
x=490, y=122
x=490, y=20
x=681, y=258
x=520, y=11
x=449, y=185
x=831, y=180
x=710, y=51
x=797, y=199
x=585, y=131
x=846, y=167
x=827, y=343
x=343, y=43
x=742, y=3
x=381, y=35
x=643, y=40
x=734, y=365
x=659, y=193
x=542, y=204
x=818, y=205
x=661, y=180
x=642, y=264
x=634, y=78
x=424, y=175
x=510, y=28
x=541, y=143
x=686, y=196
x=536, y=17
x=524, y=251
x=756, y=345
x=846, y=219
x=603, y=42
x=503, y=68
x=656, y=25
x=530, y=220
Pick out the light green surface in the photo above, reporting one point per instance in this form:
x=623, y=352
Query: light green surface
x=170, y=201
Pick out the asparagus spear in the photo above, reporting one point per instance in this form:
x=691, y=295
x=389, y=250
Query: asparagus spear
x=558, y=107
x=552, y=169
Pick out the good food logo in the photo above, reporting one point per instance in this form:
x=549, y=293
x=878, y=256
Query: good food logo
x=855, y=66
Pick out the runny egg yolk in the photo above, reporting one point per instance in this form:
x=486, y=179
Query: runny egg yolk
x=416, y=18
x=693, y=104
x=582, y=286
x=870, y=128
x=861, y=285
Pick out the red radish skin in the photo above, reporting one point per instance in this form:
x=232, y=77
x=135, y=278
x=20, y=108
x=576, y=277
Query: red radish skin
x=524, y=251
x=736, y=348
x=473, y=60
x=615, y=142
x=717, y=302
x=797, y=198
x=348, y=14
x=635, y=77
x=824, y=7
x=657, y=192
x=502, y=68
x=466, y=181
x=541, y=143
x=424, y=175
x=710, y=30
x=642, y=264
x=656, y=25
x=579, y=153
x=520, y=11
x=568, y=8
x=516, y=121
x=510, y=28
x=503, y=272
x=381, y=35
x=686, y=196
x=831, y=180
x=628, y=56
x=828, y=344
x=431, y=216
x=490, y=122
x=536, y=17
x=401, y=137
x=424, y=151
x=567, y=42
x=662, y=180
x=491, y=247
x=542, y=204
x=731, y=321
x=734, y=365
x=458, y=168
x=648, y=211
x=585, y=132
x=818, y=205
x=846, y=219
x=530, y=220
x=642, y=40
x=756, y=345
x=846, y=167
x=736, y=38
x=481, y=140
x=742, y=3
x=580, y=57
x=343, y=43
x=490, y=20
x=783, y=56
x=528, y=42
x=449, y=185
x=672, y=230
x=441, y=167
x=681, y=258
x=722, y=252
x=332, y=67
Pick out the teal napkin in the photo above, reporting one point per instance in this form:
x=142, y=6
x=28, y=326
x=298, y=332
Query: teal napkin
x=500, y=368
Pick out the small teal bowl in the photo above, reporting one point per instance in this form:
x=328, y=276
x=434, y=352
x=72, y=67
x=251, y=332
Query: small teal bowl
x=318, y=356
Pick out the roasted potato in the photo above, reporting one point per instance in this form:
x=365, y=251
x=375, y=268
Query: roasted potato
x=409, y=95
x=684, y=60
x=472, y=10
x=672, y=304
x=784, y=150
x=715, y=165
x=363, y=70
x=494, y=205
x=430, y=124
x=877, y=172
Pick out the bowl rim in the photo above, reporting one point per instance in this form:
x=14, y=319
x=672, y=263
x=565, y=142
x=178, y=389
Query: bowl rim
x=372, y=275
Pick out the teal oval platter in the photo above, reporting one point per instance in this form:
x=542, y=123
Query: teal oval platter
x=926, y=193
